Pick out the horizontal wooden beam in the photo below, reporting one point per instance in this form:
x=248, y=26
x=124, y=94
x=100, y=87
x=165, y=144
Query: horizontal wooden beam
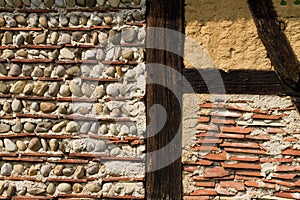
x=234, y=82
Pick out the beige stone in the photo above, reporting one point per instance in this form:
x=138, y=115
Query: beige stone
x=47, y=107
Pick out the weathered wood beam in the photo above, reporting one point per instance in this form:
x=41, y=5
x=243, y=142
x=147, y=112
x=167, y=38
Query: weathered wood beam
x=163, y=161
x=235, y=82
x=275, y=41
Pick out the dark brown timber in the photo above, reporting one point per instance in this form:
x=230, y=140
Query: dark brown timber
x=271, y=33
x=164, y=183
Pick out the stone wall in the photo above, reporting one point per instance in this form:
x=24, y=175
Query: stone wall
x=72, y=79
x=241, y=147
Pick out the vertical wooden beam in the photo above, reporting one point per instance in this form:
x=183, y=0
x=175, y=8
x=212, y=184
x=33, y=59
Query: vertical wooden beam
x=164, y=182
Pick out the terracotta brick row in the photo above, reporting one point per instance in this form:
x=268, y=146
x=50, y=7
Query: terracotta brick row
x=204, y=192
x=34, y=160
x=205, y=184
x=258, y=137
x=247, y=151
x=284, y=176
x=236, y=108
x=33, y=198
x=280, y=160
x=222, y=121
x=196, y=197
x=204, y=148
x=249, y=173
x=67, y=180
x=250, y=145
x=212, y=105
x=230, y=136
x=121, y=197
x=227, y=114
x=241, y=166
x=244, y=158
x=283, y=183
x=217, y=157
x=20, y=178
x=287, y=195
x=200, y=162
x=209, y=141
x=69, y=161
x=268, y=117
x=236, y=129
x=117, y=179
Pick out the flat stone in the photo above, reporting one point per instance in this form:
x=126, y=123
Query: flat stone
x=81, y=3
x=18, y=127
x=40, y=88
x=9, y=144
x=45, y=170
x=49, y=3
x=60, y=3
x=114, y=37
x=53, y=144
x=114, y=3
x=64, y=21
x=7, y=38
x=21, y=145
x=65, y=39
x=92, y=187
x=22, y=53
x=128, y=35
x=47, y=107
x=8, y=54
x=6, y=169
x=34, y=144
x=66, y=53
x=33, y=19
x=64, y=91
x=15, y=70
x=11, y=190
x=53, y=88
x=36, y=191
x=21, y=20
x=72, y=126
x=10, y=21
x=40, y=39
x=29, y=127
x=36, y=2
x=100, y=146
x=77, y=188
x=37, y=72
x=51, y=188
x=43, y=127
x=54, y=38
x=75, y=87
x=19, y=169
x=43, y=20
x=74, y=19
x=79, y=172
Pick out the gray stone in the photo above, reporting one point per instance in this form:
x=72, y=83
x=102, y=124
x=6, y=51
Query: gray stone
x=33, y=19
x=66, y=53
x=93, y=170
x=53, y=88
x=90, y=147
x=18, y=127
x=29, y=127
x=93, y=187
x=64, y=187
x=15, y=70
x=54, y=37
x=34, y=144
x=65, y=39
x=130, y=74
x=49, y=3
x=26, y=2
x=11, y=190
x=72, y=126
x=48, y=71
x=43, y=21
x=9, y=145
x=51, y=188
x=27, y=70
x=68, y=171
x=35, y=106
x=79, y=172
x=91, y=3
x=77, y=188
x=7, y=38
x=114, y=37
x=85, y=127
x=112, y=90
x=124, y=130
x=100, y=146
x=74, y=19
x=43, y=127
x=86, y=89
x=8, y=54
x=115, y=112
x=102, y=38
x=54, y=55
x=114, y=3
x=70, y=3
x=22, y=53
x=6, y=169
x=4, y=128
x=21, y=145
x=81, y=3
x=128, y=35
x=40, y=39
x=44, y=144
x=95, y=20
x=10, y=21
x=3, y=69
x=115, y=152
x=64, y=91
x=137, y=16
x=36, y=191
x=37, y=3
x=75, y=87
x=60, y=3
x=19, y=169
x=37, y=72
x=40, y=88
x=53, y=21
x=76, y=36
x=45, y=170
x=90, y=54
x=53, y=144
x=21, y=20
x=64, y=21
x=6, y=107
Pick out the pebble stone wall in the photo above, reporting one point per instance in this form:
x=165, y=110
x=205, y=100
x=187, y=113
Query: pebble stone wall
x=246, y=147
x=72, y=80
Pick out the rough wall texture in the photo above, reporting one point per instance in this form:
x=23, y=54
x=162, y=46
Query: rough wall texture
x=245, y=147
x=72, y=115
x=227, y=31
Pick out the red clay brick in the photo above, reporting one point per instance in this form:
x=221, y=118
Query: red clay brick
x=209, y=141
x=200, y=162
x=204, y=127
x=220, y=156
x=222, y=121
x=212, y=105
x=241, y=166
x=285, y=168
x=215, y=172
x=226, y=114
x=290, y=139
x=291, y=152
x=204, y=148
x=204, y=119
x=204, y=192
x=281, y=160
x=236, y=129
x=247, y=173
x=284, y=176
x=241, y=145
x=205, y=184
x=284, y=183
x=196, y=197
x=207, y=134
x=190, y=169
x=231, y=177
x=245, y=178
x=246, y=159
x=259, y=137
x=268, y=117
x=275, y=130
x=248, y=151
x=230, y=136
x=251, y=184
x=233, y=184
x=287, y=195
